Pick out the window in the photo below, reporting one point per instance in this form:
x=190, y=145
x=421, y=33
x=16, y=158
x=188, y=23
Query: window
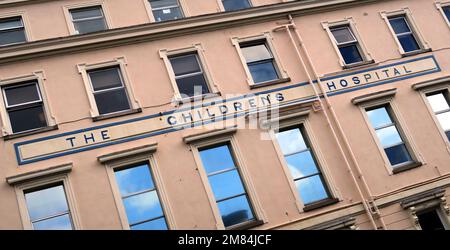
x=88, y=19
x=431, y=220
x=140, y=198
x=226, y=184
x=48, y=208
x=389, y=136
x=189, y=75
x=260, y=61
x=347, y=44
x=446, y=10
x=24, y=106
x=231, y=5
x=109, y=90
x=164, y=10
x=302, y=164
x=404, y=33
x=12, y=31
x=439, y=103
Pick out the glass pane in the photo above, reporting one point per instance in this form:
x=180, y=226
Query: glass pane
x=235, y=211
x=430, y=221
x=86, y=13
x=231, y=5
x=185, y=64
x=350, y=54
x=163, y=3
x=398, y=154
x=217, y=158
x=408, y=43
x=302, y=164
x=12, y=37
x=159, y=224
x=291, y=141
x=167, y=14
x=448, y=135
x=399, y=25
x=11, y=23
x=105, y=79
x=263, y=72
x=389, y=136
x=134, y=179
x=192, y=85
x=112, y=101
x=142, y=207
x=256, y=53
x=438, y=102
x=444, y=120
x=311, y=189
x=22, y=94
x=27, y=119
x=379, y=117
x=447, y=12
x=88, y=26
x=226, y=185
x=58, y=223
x=46, y=202
x=343, y=35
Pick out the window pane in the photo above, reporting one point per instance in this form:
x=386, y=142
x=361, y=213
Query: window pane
x=256, y=53
x=389, y=136
x=301, y=164
x=444, y=120
x=27, y=119
x=263, y=72
x=447, y=12
x=399, y=25
x=430, y=221
x=235, y=211
x=226, y=185
x=311, y=189
x=46, y=202
x=22, y=94
x=134, y=179
x=185, y=64
x=448, y=135
x=10, y=23
x=438, y=102
x=291, y=141
x=343, y=35
x=159, y=224
x=163, y=3
x=230, y=5
x=88, y=26
x=350, y=54
x=398, y=154
x=192, y=85
x=13, y=36
x=217, y=158
x=167, y=14
x=86, y=13
x=142, y=207
x=408, y=42
x=379, y=117
x=112, y=101
x=58, y=223
x=105, y=79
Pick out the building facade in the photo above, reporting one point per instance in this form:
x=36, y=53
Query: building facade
x=225, y=114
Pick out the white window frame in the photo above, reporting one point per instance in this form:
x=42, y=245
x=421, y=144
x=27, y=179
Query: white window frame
x=68, y=15
x=25, y=22
x=181, y=4
x=440, y=5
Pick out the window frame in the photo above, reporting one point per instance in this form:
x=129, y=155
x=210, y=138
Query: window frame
x=25, y=25
x=69, y=20
x=181, y=4
x=440, y=5
x=121, y=64
x=222, y=7
x=267, y=39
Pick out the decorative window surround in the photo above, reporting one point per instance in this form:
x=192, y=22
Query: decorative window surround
x=182, y=3
x=44, y=177
x=440, y=5
x=347, y=222
x=349, y=22
x=385, y=97
x=406, y=12
x=26, y=23
x=195, y=48
x=6, y=128
x=267, y=37
x=68, y=16
x=83, y=69
x=133, y=156
x=216, y=137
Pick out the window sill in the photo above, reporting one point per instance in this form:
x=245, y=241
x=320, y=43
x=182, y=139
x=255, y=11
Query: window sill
x=197, y=98
x=246, y=225
x=358, y=64
x=265, y=84
x=416, y=52
x=119, y=114
x=31, y=132
x=320, y=204
x=406, y=167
